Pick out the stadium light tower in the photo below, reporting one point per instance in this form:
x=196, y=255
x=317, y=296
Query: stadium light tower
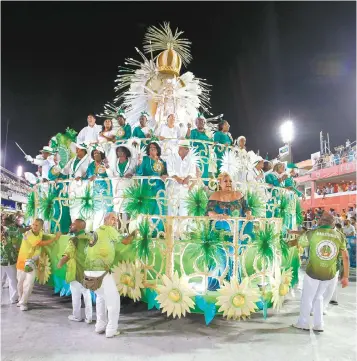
x=287, y=131
x=287, y=136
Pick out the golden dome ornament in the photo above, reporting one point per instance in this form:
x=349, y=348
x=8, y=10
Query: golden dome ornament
x=175, y=51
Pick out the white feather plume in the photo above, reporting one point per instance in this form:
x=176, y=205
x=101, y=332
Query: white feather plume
x=230, y=163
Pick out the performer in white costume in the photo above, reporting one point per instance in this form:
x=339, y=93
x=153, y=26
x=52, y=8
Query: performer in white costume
x=169, y=134
x=255, y=173
x=122, y=166
x=76, y=169
x=89, y=134
x=45, y=163
x=181, y=167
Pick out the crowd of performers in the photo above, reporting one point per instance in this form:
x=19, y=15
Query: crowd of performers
x=112, y=153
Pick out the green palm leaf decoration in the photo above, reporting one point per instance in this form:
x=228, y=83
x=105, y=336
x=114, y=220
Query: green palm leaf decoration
x=30, y=207
x=47, y=205
x=283, y=245
x=298, y=211
x=137, y=199
x=265, y=240
x=284, y=208
x=143, y=241
x=87, y=204
x=196, y=202
x=256, y=204
x=207, y=243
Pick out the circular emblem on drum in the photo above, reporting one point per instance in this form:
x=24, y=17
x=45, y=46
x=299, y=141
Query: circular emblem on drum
x=326, y=250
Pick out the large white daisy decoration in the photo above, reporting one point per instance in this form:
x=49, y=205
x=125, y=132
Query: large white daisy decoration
x=237, y=300
x=174, y=296
x=129, y=280
x=44, y=269
x=280, y=286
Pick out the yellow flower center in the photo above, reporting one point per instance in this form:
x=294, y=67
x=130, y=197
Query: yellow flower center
x=175, y=295
x=286, y=280
x=283, y=289
x=127, y=280
x=238, y=301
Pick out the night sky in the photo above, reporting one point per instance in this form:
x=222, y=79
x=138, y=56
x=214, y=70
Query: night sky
x=59, y=61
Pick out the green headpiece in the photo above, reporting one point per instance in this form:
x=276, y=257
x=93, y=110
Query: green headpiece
x=121, y=113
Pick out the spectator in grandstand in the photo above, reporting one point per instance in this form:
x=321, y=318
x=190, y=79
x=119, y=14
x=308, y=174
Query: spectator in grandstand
x=353, y=222
x=344, y=214
x=348, y=229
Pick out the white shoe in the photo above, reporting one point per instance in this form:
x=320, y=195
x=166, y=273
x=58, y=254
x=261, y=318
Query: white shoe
x=13, y=302
x=18, y=304
x=72, y=318
x=318, y=329
x=23, y=307
x=304, y=328
x=88, y=321
x=100, y=330
x=110, y=335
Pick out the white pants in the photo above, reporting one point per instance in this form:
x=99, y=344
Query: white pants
x=77, y=291
x=107, y=304
x=177, y=199
x=312, y=300
x=331, y=291
x=10, y=273
x=25, y=282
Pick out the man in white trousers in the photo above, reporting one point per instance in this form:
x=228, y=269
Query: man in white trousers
x=181, y=166
x=8, y=258
x=99, y=259
x=74, y=257
x=325, y=245
x=27, y=260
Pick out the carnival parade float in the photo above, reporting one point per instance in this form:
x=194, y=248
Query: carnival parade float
x=192, y=251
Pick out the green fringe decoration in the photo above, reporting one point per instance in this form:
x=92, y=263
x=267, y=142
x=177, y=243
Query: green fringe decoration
x=206, y=243
x=47, y=205
x=256, y=204
x=142, y=243
x=283, y=245
x=137, y=200
x=30, y=208
x=283, y=209
x=87, y=204
x=298, y=211
x=196, y=203
x=265, y=240
x=71, y=134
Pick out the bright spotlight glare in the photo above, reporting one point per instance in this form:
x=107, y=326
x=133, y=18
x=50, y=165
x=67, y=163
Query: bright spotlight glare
x=19, y=171
x=287, y=131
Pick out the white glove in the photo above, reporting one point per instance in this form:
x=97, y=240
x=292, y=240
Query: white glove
x=28, y=158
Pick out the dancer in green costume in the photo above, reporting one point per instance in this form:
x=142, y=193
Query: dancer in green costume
x=202, y=149
x=142, y=131
x=276, y=178
x=124, y=131
x=62, y=218
x=222, y=139
x=153, y=165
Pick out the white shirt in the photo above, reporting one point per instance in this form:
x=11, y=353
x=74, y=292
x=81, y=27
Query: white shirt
x=81, y=167
x=167, y=132
x=46, y=165
x=89, y=134
x=252, y=176
x=347, y=230
x=182, y=168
